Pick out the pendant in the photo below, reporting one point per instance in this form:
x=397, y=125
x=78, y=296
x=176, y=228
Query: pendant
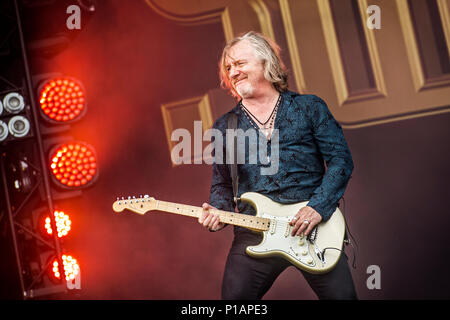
x=265, y=131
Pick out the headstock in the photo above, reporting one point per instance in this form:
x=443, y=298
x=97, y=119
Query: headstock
x=138, y=205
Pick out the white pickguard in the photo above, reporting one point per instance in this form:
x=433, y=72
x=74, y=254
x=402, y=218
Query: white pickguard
x=278, y=240
x=298, y=250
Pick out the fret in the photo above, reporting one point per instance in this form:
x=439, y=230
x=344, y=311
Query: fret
x=142, y=205
x=182, y=209
x=238, y=219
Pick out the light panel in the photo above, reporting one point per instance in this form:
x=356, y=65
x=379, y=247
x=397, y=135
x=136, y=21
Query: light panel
x=71, y=268
x=62, y=100
x=63, y=224
x=74, y=165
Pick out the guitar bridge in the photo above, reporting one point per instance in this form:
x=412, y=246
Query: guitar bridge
x=313, y=235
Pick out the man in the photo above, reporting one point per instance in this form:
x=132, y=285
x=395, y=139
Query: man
x=308, y=134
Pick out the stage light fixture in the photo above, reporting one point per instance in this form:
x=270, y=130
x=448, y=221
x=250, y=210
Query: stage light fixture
x=23, y=176
x=62, y=100
x=71, y=268
x=19, y=126
x=3, y=131
x=63, y=224
x=13, y=102
x=73, y=165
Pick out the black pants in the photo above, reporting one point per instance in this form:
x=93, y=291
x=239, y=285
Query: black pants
x=248, y=278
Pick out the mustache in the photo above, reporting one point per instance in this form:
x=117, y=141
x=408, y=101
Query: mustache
x=236, y=80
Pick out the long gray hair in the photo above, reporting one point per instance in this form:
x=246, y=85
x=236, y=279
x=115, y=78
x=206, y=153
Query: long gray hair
x=267, y=51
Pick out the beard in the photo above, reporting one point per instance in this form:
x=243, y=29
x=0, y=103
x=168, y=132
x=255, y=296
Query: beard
x=245, y=90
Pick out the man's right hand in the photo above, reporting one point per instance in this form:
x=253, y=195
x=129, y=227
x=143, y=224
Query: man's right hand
x=210, y=220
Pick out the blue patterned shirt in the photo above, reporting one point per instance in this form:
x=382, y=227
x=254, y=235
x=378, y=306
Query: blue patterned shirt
x=308, y=136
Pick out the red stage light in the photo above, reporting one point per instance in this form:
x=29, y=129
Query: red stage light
x=62, y=100
x=71, y=268
x=74, y=164
x=63, y=224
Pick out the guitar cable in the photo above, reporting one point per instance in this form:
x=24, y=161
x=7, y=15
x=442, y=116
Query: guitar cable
x=347, y=240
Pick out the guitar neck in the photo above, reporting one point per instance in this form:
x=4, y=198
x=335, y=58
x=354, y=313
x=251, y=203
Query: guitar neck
x=228, y=217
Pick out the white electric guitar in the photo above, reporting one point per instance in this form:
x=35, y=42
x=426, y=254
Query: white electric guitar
x=316, y=253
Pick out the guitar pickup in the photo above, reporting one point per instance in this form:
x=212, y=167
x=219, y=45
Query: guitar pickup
x=273, y=226
x=288, y=230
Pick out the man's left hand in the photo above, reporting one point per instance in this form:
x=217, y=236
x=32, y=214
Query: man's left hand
x=305, y=220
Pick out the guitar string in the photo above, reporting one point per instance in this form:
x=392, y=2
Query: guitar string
x=187, y=208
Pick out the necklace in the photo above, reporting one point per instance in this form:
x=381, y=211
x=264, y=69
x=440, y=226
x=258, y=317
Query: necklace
x=271, y=115
x=264, y=129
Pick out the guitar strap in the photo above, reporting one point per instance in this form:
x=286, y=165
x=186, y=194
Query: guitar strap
x=232, y=124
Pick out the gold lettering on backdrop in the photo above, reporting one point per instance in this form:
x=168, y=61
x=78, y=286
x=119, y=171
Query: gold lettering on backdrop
x=417, y=69
x=292, y=46
x=399, y=84
x=263, y=17
x=183, y=115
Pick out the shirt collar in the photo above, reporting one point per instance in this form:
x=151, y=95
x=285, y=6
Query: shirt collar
x=287, y=98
